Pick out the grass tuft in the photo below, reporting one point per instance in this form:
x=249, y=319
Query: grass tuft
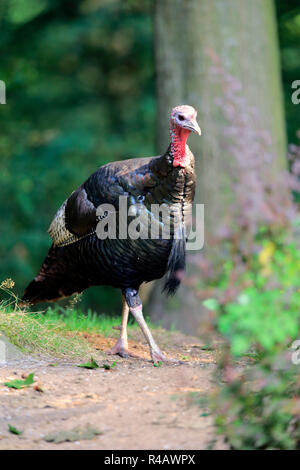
x=35, y=333
x=28, y=333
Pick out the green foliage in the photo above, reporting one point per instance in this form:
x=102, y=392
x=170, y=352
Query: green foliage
x=266, y=313
x=259, y=408
x=210, y=304
x=288, y=14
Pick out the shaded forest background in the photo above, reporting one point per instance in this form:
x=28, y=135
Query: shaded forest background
x=80, y=93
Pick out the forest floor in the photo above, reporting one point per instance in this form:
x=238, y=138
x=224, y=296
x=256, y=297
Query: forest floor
x=132, y=405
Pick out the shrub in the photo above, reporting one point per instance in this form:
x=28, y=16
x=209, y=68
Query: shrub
x=259, y=408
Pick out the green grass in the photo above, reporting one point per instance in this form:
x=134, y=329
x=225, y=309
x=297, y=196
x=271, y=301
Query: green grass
x=26, y=331
x=35, y=334
x=53, y=331
x=72, y=319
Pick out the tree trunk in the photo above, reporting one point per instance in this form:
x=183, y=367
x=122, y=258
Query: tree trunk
x=205, y=50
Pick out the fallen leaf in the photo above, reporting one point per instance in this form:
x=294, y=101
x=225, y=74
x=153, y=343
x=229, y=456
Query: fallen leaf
x=89, y=365
x=157, y=364
x=14, y=430
x=109, y=366
x=18, y=383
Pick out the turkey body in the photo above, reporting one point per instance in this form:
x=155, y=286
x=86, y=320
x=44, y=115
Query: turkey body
x=90, y=246
x=78, y=258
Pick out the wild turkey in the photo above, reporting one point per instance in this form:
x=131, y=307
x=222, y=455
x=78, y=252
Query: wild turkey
x=78, y=258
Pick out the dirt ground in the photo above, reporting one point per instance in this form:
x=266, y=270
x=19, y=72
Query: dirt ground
x=134, y=405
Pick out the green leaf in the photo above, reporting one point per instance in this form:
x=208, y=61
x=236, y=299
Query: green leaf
x=157, y=364
x=18, y=383
x=89, y=365
x=14, y=430
x=243, y=299
x=20, y=12
x=109, y=366
x=211, y=304
x=206, y=347
x=240, y=345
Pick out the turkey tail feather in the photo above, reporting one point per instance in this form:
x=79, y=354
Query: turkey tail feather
x=176, y=261
x=57, y=279
x=41, y=291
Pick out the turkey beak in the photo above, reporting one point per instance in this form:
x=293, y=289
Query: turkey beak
x=193, y=126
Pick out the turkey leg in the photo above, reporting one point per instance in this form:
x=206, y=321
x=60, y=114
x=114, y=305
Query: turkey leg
x=135, y=305
x=121, y=346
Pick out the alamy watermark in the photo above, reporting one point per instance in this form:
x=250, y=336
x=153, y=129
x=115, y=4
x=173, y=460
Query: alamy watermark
x=154, y=221
x=2, y=92
x=296, y=93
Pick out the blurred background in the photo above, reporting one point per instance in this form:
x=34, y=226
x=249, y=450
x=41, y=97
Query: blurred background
x=92, y=81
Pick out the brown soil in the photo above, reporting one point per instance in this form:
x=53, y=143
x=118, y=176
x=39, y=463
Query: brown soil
x=134, y=405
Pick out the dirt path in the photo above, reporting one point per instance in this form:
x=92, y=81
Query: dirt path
x=134, y=405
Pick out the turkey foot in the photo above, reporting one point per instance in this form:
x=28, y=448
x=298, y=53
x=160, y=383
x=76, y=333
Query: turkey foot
x=121, y=349
x=158, y=356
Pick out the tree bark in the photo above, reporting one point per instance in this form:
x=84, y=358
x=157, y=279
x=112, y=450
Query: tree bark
x=192, y=39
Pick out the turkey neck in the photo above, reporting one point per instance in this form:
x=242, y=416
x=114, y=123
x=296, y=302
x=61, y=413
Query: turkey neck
x=178, y=147
x=175, y=184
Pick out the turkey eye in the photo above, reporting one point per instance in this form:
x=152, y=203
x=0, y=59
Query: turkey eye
x=180, y=117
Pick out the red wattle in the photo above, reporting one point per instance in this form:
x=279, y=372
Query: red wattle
x=179, y=138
